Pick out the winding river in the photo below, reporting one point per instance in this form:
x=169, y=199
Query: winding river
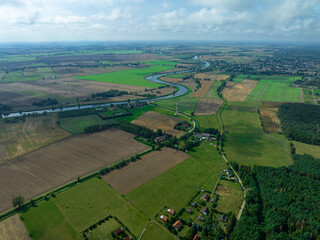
x=155, y=78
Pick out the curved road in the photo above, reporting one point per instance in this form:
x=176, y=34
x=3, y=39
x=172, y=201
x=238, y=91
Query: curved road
x=154, y=78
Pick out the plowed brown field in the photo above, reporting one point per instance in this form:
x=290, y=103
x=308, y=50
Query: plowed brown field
x=150, y=166
x=59, y=163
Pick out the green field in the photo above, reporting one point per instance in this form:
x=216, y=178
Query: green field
x=103, y=231
x=247, y=144
x=13, y=76
x=212, y=93
x=230, y=199
x=207, y=121
x=76, y=125
x=256, y=92
x=281, y=94
x=93, y=200
x=47, y=222
x=161, y=62
x=275, y=89
x=155, y=232
x=176, y=187
x=185, y=104
x=303, y=148
x=308, y=96
x=134, y=77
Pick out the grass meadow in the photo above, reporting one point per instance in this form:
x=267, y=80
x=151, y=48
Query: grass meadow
x=303, y=148
x=47, y=222
x=185, y=104
x=93, y=200
x=247, y=144
x=155, y=232
x=212, y=93
x=176, y=187
x=134, y=77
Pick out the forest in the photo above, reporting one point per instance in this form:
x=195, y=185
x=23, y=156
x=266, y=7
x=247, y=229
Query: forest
x=300, y=122
x=282, y=203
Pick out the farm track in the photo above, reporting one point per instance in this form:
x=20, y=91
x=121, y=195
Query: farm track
x=259, y=100
x=301, y=95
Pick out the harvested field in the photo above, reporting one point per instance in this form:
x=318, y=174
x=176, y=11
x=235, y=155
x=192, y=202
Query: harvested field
x=211, y=76
x=207, y=106
x=171, y=80
x=22, y=137
x=156, y=120
x=150, y=166
x=59, y=163
x=16, y=100
x=238, y=91
x=202, y=92
x=270, y=120
x=13, y=229
x=190, y=83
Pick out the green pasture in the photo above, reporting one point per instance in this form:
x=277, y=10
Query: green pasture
x=176, y=76
x=231, y=199
x=88, y=202
x=256, y=92
x=155, y=232
x=103, y=231
x=134, y=77
x=275, y=93
x=45, y=221
x=212, y=93
x=247, y=144
x=210, y=121
x=185, y=104
x=175, y=187
x=303, y=148
x=308, y=96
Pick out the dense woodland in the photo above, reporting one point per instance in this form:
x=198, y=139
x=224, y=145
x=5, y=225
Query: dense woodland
x=301, y=122
x=282, y=203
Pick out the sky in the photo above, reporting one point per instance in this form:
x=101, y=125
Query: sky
x=113, y=20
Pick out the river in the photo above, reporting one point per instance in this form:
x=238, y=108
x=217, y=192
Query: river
x=154, y=78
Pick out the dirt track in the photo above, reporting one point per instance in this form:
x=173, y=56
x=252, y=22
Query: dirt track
x=59, y=163
x=142, y=171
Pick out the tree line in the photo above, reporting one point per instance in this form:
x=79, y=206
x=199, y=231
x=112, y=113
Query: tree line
x=300, y=122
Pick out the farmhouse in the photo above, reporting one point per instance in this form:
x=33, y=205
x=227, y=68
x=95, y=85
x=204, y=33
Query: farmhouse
x=118, y=231
x=213, y=200
x=205, y=211
x=205, y=197
x=188, y=210
x=160, y=138
x=194, y=204
x=177, y=225
x=164, y=218
x=203, y=135
x=171, y=211
x=127, y=238
x=201, y=219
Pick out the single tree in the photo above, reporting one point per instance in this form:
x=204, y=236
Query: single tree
x=18, y=201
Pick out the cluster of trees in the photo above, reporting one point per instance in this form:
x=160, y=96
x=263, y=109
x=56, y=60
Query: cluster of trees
x=222, y=86
x=110, y=93
x=281, y=203
x=137, y=130
x=98, y=127
x=300, y=122
x=46, y=102
x=4, y=108
x=75, y=113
